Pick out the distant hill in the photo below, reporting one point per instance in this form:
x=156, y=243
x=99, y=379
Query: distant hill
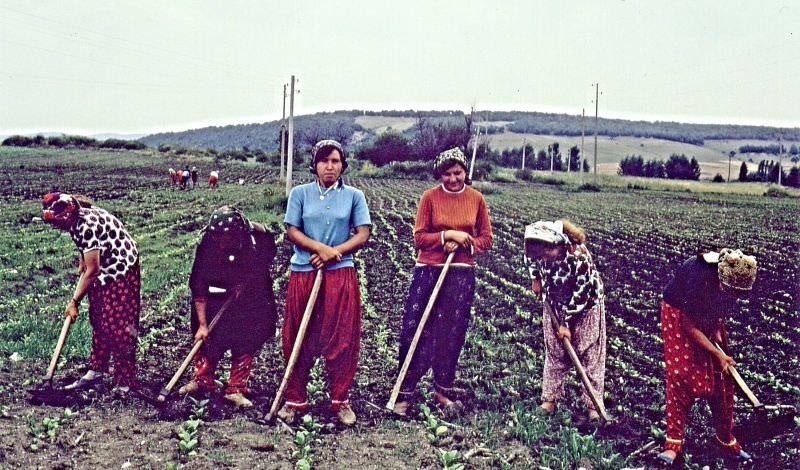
x=360, y=127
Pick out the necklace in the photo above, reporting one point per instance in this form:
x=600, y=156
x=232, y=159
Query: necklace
x=321, y=194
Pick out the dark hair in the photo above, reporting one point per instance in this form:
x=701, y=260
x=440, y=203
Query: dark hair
x=573, y=232
x=536, y=249
x=82, y=200
x=437, y=172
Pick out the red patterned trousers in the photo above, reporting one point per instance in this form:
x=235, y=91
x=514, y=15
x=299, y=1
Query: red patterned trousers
x=114, y=316
x=693, y=373
x=334, y=333
x=241, y=365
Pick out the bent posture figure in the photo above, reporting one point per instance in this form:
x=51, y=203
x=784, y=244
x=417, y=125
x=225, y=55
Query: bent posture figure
x=563, y=273
x=693, y=313
x=233, y=255
x=109, y=276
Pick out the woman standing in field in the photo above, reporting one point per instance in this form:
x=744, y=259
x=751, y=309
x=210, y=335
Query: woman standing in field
x=320, y=220
x=452, y=217
x=234, y=258
x=565, y=276
x=109, y=276
x=693, y=312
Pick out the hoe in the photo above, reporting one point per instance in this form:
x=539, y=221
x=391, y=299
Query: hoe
x=47, y=394
x=767, y=420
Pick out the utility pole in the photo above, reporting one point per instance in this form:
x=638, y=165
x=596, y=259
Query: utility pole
x=780, y=157
x=474, y=150
x=290, y=153
x=552, y=151
x=596, y=107
x=283, y=132
x=523, y=153
x=580, y=168
x=730, y=157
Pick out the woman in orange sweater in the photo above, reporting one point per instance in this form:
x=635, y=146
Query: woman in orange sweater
x=451, y=217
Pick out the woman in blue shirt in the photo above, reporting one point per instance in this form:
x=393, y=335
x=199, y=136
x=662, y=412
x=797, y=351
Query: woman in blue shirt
x=327, y=221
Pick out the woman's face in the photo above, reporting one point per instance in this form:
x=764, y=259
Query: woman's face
x=226, y=242
x=453, y=177
x=329, y=168
x=544, y=252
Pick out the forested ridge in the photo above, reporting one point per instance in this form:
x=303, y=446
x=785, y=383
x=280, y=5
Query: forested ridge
x=343, y=125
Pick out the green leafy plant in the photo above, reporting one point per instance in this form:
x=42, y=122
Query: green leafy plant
x=304, y=439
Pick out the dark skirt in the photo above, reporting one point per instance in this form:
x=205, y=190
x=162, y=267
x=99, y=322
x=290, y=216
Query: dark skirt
x=246, y=325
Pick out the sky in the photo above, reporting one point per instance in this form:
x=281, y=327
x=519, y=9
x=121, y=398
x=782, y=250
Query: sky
x=88, y=67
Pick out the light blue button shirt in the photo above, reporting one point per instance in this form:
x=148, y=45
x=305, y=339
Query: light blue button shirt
x=327, y=217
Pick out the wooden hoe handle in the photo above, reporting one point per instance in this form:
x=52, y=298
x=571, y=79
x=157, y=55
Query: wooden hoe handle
x=62, y=338
x=740, y=382
x=597, y=401
x=418, y=333
x=197, y=345
x=298, y=344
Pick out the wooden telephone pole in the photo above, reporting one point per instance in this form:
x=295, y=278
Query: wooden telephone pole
x=283, y=132
x=290, y=152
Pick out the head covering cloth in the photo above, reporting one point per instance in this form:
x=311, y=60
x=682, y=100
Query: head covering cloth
x=736, y=270
x=227, y=220
x=326, y=143
x=58, y=206
x=447, y=158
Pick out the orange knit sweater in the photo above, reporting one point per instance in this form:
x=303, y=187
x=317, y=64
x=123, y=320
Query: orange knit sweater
x=439, y=211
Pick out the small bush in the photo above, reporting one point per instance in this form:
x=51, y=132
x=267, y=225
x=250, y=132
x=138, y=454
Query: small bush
x=636, y=186
x=501, y=178
x=487, y=188
x=718, y=179
x=524, y=175
x=777, y=192
x=548, y=180
x=18, y=141
x=591, y=187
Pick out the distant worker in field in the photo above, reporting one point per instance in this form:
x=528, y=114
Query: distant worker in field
x=327, y=221
x=451, y=218
x=174, y=178
x=693, y=313
x=213, y=177
x=234, y=258
x=109, y=276
x=194, y=177
x=185, y=175
x=565, y=276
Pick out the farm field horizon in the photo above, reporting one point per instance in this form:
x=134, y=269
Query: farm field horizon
x=638, y=239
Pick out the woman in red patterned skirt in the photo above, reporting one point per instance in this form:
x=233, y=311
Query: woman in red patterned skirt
x=693, y=319
x=109, y=276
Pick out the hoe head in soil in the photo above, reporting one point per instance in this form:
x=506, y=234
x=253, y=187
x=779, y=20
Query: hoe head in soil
x=765, y=422
x=47, y=394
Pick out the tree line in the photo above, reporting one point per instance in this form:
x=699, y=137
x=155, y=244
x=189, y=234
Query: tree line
x=71, y=141
x=768, y=171
x=675, y=167
x=773, y=149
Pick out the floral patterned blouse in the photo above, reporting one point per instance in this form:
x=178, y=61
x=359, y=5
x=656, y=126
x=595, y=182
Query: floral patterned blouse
x=96, y=229
x=572, y=284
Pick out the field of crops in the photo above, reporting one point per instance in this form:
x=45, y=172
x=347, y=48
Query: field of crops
x=638, y=237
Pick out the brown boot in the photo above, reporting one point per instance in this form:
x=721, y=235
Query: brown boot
x=190, y=387
x=287, y=414
x=346, y=415
x=239, y=400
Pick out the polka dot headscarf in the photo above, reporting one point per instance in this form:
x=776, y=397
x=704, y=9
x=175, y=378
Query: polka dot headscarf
x=228, y=220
